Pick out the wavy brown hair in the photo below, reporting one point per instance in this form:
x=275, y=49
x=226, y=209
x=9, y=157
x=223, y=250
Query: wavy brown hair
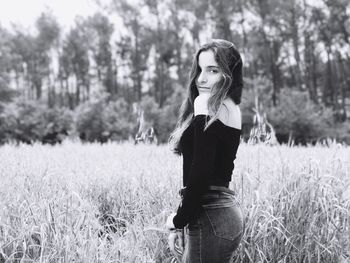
x=230, y=63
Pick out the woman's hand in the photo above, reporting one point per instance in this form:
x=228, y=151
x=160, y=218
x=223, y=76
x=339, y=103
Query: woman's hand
x=176, y=243
x=169, y=222
x=172, y=240
x=175, y=236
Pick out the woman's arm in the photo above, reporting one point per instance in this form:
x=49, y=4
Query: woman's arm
x=205, y=143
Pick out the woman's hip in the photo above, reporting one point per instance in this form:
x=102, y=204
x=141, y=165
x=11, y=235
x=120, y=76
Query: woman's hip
x=221, y=214
x=217, y=231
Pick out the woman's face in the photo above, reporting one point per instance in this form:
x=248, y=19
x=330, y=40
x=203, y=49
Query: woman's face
x=209, y=73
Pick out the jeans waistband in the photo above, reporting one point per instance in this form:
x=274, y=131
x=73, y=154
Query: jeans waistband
x=220, y=188
x=212, y=188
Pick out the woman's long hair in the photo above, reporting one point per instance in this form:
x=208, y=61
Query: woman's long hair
x=230, y=62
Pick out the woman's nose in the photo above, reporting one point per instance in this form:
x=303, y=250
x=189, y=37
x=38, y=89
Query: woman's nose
x=201, y=78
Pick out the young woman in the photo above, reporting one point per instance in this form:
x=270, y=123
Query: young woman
x=207, y=135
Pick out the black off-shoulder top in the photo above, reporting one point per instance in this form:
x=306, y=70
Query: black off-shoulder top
x=207, y=160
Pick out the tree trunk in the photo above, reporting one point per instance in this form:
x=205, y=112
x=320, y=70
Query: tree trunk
x=310, y=75
x=344, y=82
x=77, y=94
x=295, y=38
x=270, y=55
x=244, y=34
x=223, y=22
x=328, y=92
x=179, y=41
x=159, y=62
x=114, y=76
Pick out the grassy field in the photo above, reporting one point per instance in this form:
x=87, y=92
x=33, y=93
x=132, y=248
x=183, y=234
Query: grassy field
x=108, y=203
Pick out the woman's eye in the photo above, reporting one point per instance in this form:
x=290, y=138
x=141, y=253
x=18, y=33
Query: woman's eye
x=213, y=71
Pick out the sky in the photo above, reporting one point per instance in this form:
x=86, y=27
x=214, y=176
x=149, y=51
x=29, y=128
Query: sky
x=25, y=12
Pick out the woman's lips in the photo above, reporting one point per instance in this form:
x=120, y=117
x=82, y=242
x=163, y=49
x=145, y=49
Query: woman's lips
x=203, y=87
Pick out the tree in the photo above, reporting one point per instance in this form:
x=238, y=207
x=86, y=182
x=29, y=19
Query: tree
x=47, y=40
x=100, y=30
x=135, y=46
x=6, y=94
x=32, y=58
x=75, y=64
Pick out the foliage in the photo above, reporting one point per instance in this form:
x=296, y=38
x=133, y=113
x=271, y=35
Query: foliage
x=163, y=119
x=169, y=114
x=254, y=89
x=340, y=132
x=297, y=116
x=29, y=121
x=101, y=119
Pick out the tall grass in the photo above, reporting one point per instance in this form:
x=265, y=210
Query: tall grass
x=108, y=203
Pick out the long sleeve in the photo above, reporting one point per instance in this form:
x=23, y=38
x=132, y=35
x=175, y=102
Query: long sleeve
x=205, y=144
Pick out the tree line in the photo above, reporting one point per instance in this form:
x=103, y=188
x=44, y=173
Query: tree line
x=295, y=53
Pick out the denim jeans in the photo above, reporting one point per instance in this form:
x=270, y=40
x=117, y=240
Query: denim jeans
x=217, y=231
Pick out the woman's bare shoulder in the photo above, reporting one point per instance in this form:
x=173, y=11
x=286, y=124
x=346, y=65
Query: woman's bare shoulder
x=230, y=114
